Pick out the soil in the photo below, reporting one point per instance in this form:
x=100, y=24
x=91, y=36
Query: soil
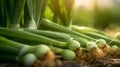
x=99, y=63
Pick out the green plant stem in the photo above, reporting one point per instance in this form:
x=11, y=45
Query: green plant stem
x=51, y=34
x=19, y=8
x=49, y=25
x=31, y=37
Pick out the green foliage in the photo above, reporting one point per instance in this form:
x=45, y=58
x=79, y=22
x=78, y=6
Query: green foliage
x=60, y=11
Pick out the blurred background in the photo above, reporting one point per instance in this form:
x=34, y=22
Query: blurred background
x=100, y=14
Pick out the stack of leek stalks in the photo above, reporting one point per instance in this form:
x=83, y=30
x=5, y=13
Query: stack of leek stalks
x=33, y=47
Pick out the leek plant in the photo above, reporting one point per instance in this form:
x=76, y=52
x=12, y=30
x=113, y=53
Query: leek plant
x=108, y=50
x=97, y=35
x=51, y=34
x=86, y=29
x=71, y=44
x=36, y=10
x=17, y=16
x=13, y=11
x=28, y=55
x=66, y=53
x=22, y=13
x=33, y=47
x=49, y=25
x=61, y=37
x=94, y=52
x=104, y=47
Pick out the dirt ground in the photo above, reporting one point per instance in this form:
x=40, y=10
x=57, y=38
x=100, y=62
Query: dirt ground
x=99, y=63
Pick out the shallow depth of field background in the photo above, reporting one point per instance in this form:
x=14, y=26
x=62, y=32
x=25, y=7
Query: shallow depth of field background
x=101, y=14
